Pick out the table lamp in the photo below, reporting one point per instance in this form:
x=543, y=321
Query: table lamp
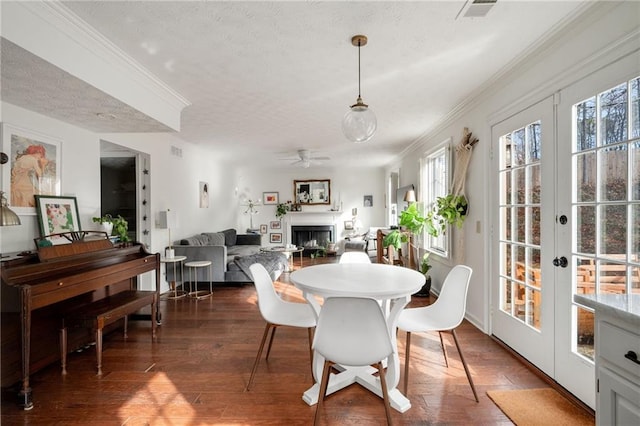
x=167, y=221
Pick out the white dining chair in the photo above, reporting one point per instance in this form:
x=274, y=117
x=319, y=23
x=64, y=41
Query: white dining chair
x=352, y=332
x=355, y=257
x=445, y=314
x=277, y=312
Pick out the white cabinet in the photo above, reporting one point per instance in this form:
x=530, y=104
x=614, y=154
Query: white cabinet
x=617, y=371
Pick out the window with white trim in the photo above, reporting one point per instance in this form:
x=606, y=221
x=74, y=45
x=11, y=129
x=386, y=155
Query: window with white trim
x=435, y=179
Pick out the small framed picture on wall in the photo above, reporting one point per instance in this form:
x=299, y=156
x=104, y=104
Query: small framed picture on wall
x=270, y=198
x=263, y=229
x=275, y=224
x=275, y=237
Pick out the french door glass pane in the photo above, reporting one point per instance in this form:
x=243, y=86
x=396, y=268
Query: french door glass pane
x=534, y=226
x=634, y=159
x=585, y=335
x=635, y=231
x=533, y=193
x=586, y=125
x=613, y=229
x=520, y=224
x=585, y=166
x=613, y=115
x=519, y=181
x=613, y=178
x=519, y=148
x=635, y=108
x=586, y=229
x=612, y=277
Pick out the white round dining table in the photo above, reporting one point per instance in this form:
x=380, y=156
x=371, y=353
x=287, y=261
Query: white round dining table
x=392, y=286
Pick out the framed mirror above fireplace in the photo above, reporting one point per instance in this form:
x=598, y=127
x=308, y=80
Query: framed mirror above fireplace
x=312, y=192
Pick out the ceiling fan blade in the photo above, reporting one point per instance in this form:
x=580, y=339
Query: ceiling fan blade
x=320, y=158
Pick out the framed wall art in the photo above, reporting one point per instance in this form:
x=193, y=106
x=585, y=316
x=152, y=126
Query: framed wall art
x=203, y=190
x=33, y=167
x=263, y=229
x=275, y=238
x=348, y=225
x=270, y=198
x=275, y=224
x=57, y=215
x=310, y=192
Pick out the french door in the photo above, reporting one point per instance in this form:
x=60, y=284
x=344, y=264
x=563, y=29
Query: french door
x=599, y=142
x=566, y=219
x=523, y=286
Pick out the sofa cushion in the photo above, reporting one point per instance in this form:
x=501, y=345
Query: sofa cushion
x=196, y=240
x=215, y=238
x=229, y=237
x=239, y=251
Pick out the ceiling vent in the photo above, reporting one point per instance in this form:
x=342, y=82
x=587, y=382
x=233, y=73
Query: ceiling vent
x=476, y=8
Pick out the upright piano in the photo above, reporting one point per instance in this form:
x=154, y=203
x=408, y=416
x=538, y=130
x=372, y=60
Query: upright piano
x=37, y=289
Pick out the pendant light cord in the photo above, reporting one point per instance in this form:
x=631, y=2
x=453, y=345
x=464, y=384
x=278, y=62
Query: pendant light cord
x=359, y=94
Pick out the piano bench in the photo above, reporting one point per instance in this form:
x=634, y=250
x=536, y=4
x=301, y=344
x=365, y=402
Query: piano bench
x=96, y=315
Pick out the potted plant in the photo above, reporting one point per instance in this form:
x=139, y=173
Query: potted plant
x=412, y=223
x=424, y=268
x=450, y=210
x=105, y=222
x=119, y=225
x=282, y=209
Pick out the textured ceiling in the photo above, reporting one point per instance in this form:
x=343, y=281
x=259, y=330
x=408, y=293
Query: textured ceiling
x=268, y=78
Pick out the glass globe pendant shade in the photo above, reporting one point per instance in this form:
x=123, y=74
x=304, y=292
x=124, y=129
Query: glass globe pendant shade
x=359, y=123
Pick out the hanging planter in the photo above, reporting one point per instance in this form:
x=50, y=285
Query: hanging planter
x=452, y=209
x=449, y=210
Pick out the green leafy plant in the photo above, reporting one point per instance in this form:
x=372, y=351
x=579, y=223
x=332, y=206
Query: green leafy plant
x=282, y=209
x=320, y=251
x=120, y=226
x=411, y=222
x=449, y=210
x=424, y=264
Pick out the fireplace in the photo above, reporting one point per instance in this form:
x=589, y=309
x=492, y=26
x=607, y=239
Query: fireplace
x=312, y=236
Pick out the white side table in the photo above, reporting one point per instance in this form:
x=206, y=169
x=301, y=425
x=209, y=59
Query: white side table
x=175, y=293
x=193, y=270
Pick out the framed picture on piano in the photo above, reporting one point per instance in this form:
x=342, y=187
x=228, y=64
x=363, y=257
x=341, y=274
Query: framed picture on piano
x=57, y=215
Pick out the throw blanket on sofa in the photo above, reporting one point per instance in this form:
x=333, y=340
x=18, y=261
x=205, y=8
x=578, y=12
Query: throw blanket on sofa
x=272, y=262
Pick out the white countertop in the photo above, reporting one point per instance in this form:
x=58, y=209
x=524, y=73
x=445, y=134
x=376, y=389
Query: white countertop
x=623, y=306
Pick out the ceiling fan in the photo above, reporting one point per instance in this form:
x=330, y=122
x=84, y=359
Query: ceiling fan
x=306, y=159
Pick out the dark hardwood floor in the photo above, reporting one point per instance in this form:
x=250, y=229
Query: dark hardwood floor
x=196, y=373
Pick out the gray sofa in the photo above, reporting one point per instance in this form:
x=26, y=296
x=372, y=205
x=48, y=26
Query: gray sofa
x=230, y=254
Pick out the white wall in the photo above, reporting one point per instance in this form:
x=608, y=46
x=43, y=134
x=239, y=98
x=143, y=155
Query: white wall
x=602, y=36
x=80, y=173
x=348, y=185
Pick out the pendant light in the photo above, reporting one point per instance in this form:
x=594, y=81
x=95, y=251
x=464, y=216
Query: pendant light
x=359, y=123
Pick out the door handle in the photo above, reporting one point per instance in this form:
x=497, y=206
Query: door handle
x=632, y=356
x=562, y=262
